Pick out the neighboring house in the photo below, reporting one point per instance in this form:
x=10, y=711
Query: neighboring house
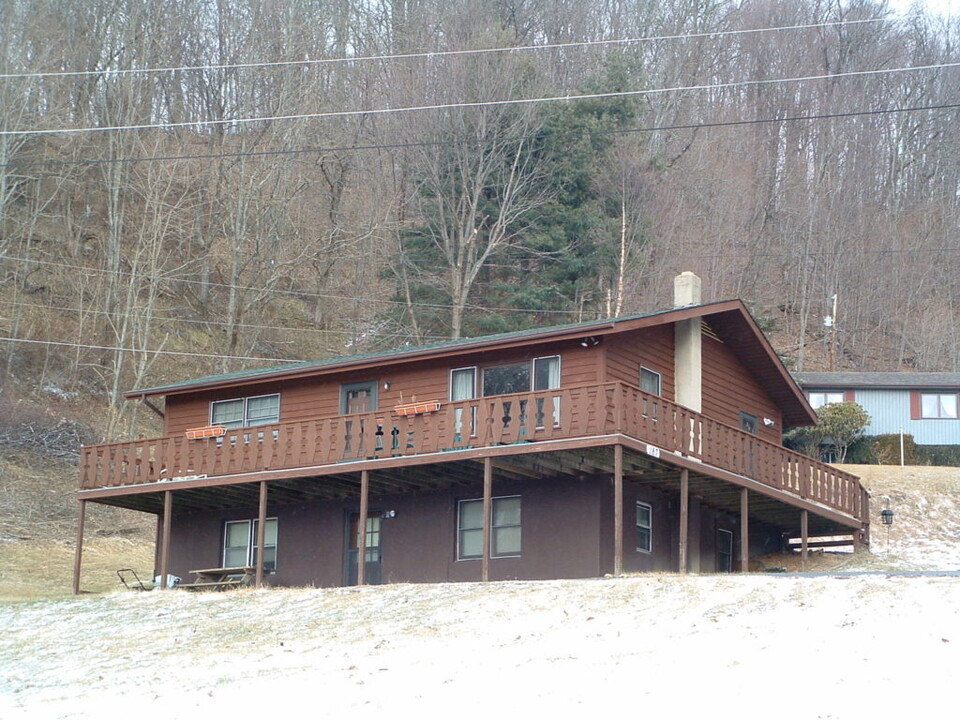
x=924, y=405
x=650, y=442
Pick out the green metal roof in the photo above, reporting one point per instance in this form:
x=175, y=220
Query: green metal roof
x=307, y=365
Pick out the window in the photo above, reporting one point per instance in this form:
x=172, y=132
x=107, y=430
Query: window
x=358, y=397
x=504, y=528
x=938, y=405
x=246, y=412
x=724, y=550
x=748, y=422
x=506, y=379
x=463, y=386
x=644, y=527
x=819, y=399
x=240, y=543
x=649, y=381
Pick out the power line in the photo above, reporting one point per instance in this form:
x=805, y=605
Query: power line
x=147, y=352
x=441, y=306
x=479, y=103
x=432, y=55
x=162, y=319
x=277, y=291
x=396, y=146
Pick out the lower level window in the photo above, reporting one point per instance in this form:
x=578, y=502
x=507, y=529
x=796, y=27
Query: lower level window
x=504, y=528
x=644, y=527
x=240, y=544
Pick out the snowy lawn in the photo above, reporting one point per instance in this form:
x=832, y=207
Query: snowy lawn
x=756, y=646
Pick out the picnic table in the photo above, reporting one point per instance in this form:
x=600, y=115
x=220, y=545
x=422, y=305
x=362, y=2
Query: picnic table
x=221, y=578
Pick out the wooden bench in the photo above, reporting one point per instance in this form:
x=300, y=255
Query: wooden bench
x=221, y=578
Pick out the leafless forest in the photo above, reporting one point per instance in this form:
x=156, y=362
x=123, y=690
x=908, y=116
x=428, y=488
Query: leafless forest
x=192, y=186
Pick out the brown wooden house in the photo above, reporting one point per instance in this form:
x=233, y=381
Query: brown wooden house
x=650, y=442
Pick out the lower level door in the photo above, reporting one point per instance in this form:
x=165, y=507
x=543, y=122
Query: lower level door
x=373, y=550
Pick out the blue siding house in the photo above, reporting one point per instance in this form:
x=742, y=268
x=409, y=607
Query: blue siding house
x=924, y=405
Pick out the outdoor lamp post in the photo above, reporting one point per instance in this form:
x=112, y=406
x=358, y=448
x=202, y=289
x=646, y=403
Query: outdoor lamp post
x=886, y=517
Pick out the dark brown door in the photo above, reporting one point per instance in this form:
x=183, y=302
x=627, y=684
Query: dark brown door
x=374, y=549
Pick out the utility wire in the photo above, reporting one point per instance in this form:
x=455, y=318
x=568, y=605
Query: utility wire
x=438, y=54
x=147, y=352
x=441, y=306
x=160, y=318
x=396, y=146
x=480, y=103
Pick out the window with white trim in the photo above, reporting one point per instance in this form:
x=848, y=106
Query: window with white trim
x=819, y=399
x=644, y=527
x=240, y=543
x=504, y=528
x=650, y=381
x=246, y=412
x=938, y=406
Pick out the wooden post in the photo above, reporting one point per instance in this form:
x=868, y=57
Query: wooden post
x=617, y=510
x=78, y=553
x=744, y=532
x=362, y=527
x=487, y=517
x=165, y=537
x=684, y=517
x=803, y=539
x=261, y=532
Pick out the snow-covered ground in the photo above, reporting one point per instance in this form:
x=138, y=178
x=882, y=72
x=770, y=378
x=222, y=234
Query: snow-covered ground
x=728, y=646
x=733, y=646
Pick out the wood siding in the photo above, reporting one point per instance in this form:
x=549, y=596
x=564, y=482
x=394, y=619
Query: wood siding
x=311, y=398
x=729, y=389
x=652, y=348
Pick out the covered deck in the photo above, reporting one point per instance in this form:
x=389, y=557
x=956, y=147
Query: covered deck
x=609, y=430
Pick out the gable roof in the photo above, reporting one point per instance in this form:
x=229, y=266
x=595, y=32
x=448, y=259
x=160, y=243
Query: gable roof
x=878, y=380
x=729, y=320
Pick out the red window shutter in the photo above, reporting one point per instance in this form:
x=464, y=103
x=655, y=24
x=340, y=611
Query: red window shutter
x=849, y=396
x=914, y=404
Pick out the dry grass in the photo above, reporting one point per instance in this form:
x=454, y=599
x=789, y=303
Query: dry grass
x=35, y=569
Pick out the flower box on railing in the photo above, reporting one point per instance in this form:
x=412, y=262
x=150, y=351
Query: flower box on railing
x=208, y=431
x=416, y=408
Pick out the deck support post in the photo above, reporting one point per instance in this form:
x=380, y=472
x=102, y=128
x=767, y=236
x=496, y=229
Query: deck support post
x=617, y=510
x=362, y=527
x=487, y=517
x=261, y=532
x=78, y=553
x=744, y=532
x=804, y=537
x=684, y=517
x=165, y=537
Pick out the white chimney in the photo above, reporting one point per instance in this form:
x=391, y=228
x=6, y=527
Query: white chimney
x=686, y=289
x=687, y=352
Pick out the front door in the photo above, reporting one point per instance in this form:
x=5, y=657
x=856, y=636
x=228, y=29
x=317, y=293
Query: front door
x=374, y=549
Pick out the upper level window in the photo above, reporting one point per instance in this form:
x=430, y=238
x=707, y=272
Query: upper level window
x=748, y=422
x=506, y=379
x=938, y=405
x=650, y=381
x=358, y=397
x=819, y=399
x=245, y=412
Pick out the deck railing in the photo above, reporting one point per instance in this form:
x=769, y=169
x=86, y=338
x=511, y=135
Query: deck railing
x=573, y=412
